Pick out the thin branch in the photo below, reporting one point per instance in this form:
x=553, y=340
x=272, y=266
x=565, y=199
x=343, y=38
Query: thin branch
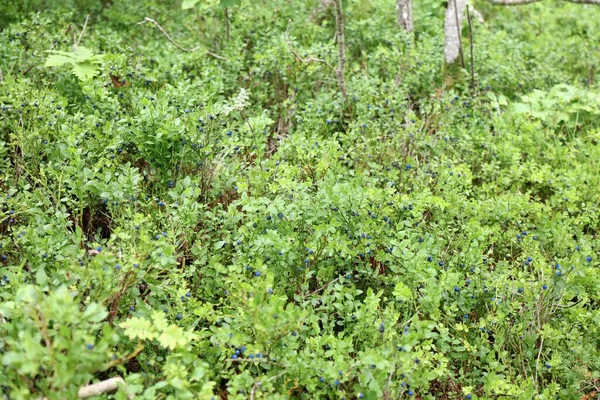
x=210, y=53
x=304, y=60
x=471, y=46
x=87, y=17
x=227, y=20
x=160, y=28
x=537, y=360
x=180, y=47
x=253, y=393
x=321, y=288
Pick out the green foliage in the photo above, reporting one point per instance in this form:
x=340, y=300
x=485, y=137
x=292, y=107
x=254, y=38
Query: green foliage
x=225, y=225
x=187, y=4
x=83, y=62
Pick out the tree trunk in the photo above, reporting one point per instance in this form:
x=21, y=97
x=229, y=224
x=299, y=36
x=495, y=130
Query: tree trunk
x=452, y=29
x=455, y=64
x=404, y=14
x=341, y=43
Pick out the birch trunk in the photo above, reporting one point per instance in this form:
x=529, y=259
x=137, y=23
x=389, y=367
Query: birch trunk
x=452, y=29
x=341, y=43
x=404, y=14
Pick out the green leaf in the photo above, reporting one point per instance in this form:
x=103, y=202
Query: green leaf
x=173, y=337
x=85, y=70
x=56, y=60
x=187, y=4
x=138, y=328
x=94, y=312
x=229, y=3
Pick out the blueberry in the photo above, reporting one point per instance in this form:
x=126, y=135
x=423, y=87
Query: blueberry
x=268, y=217
x=294, y=333
x=321, y=379
x=280, y=215
x=410, y=393
x=430, y=258
x=234, y=357
x=520, y=290
x=468, y=397
x=456, y=289
x=188, y=294
x=337, y=382
x=557, y=266
x=118, y=266
x=588, y=259
x=382, y=327
x=90, y=346
x=545, y=287
x=11, y=212
x=257, y=273
x=178, y=317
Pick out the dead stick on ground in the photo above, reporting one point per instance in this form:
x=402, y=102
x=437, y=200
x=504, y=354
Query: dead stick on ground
x=160, y=28
x=106, y=386
x=304, y=60
x=170, y=39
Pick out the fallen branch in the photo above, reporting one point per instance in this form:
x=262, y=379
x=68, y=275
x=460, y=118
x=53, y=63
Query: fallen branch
x=160, y=28
x=106, y=386
x=180, y=47
x=304, y=60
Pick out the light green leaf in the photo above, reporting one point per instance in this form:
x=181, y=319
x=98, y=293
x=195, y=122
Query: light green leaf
x=187, y=4
x=173, y=337
x=85, y=70
x=94, y=312
x=229, y=3
x=83, y=54
x=138, y=328
x=56, y=60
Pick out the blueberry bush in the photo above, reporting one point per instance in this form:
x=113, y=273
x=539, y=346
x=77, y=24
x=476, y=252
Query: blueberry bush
x=192, y=205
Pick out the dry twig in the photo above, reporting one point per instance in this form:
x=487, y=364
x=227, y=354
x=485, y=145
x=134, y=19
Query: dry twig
x=180, y=47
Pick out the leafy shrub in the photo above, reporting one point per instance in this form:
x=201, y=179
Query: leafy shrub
x=220, y=223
